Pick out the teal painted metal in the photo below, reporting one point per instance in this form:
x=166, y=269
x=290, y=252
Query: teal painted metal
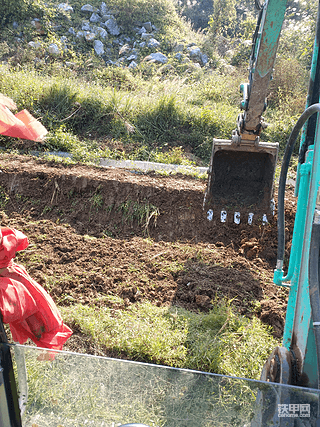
x=268, y=43
x=262, y=63
x=298, y=330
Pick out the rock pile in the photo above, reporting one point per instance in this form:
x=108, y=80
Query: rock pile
x=99, y=28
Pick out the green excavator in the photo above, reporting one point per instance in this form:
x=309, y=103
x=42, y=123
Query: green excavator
x=81, y=390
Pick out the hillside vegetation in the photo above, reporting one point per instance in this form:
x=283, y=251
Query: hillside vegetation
x=100, y=106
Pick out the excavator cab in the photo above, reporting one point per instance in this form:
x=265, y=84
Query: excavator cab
x=241, y=172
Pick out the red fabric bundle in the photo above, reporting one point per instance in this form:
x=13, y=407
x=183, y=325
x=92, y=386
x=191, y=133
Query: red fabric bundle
x=21, y=125
x=24, y=304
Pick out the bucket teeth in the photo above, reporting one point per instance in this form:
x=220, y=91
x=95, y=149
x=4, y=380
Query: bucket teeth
x=236, y=217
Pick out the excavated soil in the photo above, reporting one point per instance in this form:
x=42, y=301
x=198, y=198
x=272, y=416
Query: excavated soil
x=113, y=237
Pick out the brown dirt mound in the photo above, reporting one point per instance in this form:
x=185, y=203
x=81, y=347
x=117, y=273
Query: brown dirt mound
x=113, y=237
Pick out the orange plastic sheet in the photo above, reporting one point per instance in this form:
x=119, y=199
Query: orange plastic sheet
x=21, y=125
x=25, y=305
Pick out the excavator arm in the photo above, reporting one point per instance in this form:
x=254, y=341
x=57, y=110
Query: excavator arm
x=241, y=171
x=264, y=50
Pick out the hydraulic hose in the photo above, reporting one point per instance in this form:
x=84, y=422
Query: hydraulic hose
x=315, y=108
x=314, y=288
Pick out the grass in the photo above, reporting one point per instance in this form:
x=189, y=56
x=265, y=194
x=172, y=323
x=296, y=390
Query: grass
x=220, y=341
x=73, y=390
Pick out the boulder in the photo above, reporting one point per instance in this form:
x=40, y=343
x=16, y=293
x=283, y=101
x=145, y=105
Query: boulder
x=53, y=49
x=112, y=27
x=95, y=18
x=153, y=43
x=89, y=36
x=98, y=47
x=156, y=57
x=195, y=53
x=147, y=26
x=85, y=26
x=146, y=36
x=132, y=65
x=35, y=45
x=65, y=7
x=101, y=32
x=132, y=57
x=88, y=8
x=103, y=9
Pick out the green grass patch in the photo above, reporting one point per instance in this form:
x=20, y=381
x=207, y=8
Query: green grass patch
x=220, y=341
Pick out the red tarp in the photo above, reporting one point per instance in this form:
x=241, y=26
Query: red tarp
x=21, y=125
x=24, y=304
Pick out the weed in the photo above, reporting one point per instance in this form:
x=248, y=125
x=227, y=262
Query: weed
x=96, y=200
x=4, y=198
x=140, y=212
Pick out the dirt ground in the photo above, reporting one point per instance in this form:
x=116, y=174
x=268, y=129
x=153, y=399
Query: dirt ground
x=112, y=237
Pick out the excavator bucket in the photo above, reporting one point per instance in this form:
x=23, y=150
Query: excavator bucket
x=240, y=182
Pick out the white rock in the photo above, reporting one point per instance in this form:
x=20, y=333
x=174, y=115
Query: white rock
x=98, y=47
x=141, y=30
x=146, y=36
x=153, y=43
x=71, y=31
x=89, y=36
x=204, y=58
x=132, y=57
x=103, y=8
x=80, y=34
x=85, y=26
x=132, y=65
x=95, y=18
x=101, y=32
x=88, y=8
x=53, y=49
x=156, y=57
x=112, y=27
x=195, y=53
x=65, y=7
x=35, y=45
x=147, y=26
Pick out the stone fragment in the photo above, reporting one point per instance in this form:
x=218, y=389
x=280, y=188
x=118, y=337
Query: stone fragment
x=153, y=43
x=101, y=32
x=103, y=8
x=95, y=18
x=156, y=57
x=65, y=7
x=147, y=26
x=53, y=49
x=88, y=8
x=112, y=27
x=89, y=36
x=195, y=53
x=35, y=45
x=98, y=47
x=133, y=65
x=146, y=36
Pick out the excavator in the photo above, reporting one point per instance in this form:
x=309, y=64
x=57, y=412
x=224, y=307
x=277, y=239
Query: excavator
x=81, y=390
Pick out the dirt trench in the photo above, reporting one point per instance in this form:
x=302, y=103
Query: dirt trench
x=114, y=237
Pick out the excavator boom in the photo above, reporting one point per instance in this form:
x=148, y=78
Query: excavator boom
x=241, y=172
